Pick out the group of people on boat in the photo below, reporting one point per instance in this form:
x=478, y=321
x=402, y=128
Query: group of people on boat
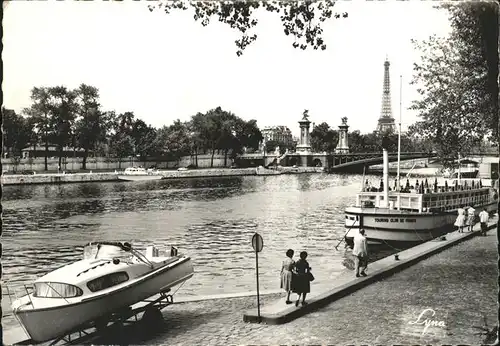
x=424, y=187
x=296, y=276
x=467, y=219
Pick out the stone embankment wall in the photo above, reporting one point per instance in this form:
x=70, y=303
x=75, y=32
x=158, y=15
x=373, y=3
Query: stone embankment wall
x=202, y=173
x=295, y=170
x=102, y=163
x=19, y=179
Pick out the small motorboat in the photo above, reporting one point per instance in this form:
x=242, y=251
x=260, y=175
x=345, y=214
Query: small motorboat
x=266, y=171
x=112, y=276
x=139, y=174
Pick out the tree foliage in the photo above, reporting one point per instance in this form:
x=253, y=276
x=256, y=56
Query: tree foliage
x=175, y=140
x=212, y=132
x=323, y=138
x=63, y=109
x=17, y=132
x=459, y=100
x=39, y=115
x=91, y=123
x=301, y=19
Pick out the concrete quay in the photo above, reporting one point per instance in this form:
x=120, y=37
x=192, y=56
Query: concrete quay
x=57, y=178
x=62, y=178
x=347, y=284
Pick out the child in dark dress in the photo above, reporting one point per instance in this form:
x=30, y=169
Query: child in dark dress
x=301, y=283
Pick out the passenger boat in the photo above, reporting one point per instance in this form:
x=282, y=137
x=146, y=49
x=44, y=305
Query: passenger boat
x=140, y=173
x=414, y=215
x=112, y=276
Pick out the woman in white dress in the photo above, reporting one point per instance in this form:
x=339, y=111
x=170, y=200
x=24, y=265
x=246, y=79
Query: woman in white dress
x=287, y=274
x=460, y=221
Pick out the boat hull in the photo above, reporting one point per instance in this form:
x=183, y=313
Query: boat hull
x=394, y=226
x=266, y=171
x=49, y=323
x=139, y=177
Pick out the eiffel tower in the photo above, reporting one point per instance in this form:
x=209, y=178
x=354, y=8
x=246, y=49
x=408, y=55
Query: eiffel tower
x=386, y=121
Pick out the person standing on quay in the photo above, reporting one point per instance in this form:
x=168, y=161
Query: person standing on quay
x=460, y=221
x=360, y=251
x=302, y=283
x=470, y=217
x=483, y=218
x=287, y=274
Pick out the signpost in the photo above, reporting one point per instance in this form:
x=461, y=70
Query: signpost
x=257, y=244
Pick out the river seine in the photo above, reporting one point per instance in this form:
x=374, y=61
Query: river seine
x=212, y=220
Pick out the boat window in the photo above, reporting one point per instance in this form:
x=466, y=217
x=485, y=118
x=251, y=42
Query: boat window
x=56, y=290
x=107, y=281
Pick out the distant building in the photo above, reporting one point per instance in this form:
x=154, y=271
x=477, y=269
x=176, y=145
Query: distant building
x=280, y=134
x=39, y=151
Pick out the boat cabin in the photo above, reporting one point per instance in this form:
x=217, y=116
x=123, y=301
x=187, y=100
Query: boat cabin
x=440, y=198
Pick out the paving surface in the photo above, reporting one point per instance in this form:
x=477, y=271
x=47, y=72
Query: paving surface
x=459, y=284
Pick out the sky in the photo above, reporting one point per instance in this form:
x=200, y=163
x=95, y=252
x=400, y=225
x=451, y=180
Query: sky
x=166, y=67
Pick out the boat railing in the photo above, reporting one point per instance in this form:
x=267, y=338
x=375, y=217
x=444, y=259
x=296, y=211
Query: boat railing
x=13, y=294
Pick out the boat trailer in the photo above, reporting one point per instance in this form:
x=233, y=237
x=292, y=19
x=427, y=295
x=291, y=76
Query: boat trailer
x=91, y=331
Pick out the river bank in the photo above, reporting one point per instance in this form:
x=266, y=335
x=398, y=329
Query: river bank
x=62, y=178
x=380, y=313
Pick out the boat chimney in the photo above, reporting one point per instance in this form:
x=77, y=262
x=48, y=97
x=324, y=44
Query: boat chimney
x=385, y=156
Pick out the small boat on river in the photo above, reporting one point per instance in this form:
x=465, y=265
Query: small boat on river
x=266, y=171
x=111, y=277
x=139, y=174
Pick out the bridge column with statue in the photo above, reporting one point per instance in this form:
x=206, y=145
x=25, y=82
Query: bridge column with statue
x=303, y=149
x=343, y=146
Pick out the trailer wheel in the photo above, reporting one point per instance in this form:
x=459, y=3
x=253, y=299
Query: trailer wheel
x=152, y=317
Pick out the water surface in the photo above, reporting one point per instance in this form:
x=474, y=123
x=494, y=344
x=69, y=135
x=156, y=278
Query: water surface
x=212, y=220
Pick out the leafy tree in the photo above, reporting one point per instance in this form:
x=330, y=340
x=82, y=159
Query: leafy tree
x=459, y=103
x=144, y=138
x=475, y=31
x=323, y=138
x=248, y=133
x=301, y=19
x=356, y=142
x=121, y=145
x=63, y=108
x=17, y=132
x=220, y=130
x=175, y=140
x=90, y=128
x=125, y=123
x=39, y=115
x=216, y=131
x=198, y=135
